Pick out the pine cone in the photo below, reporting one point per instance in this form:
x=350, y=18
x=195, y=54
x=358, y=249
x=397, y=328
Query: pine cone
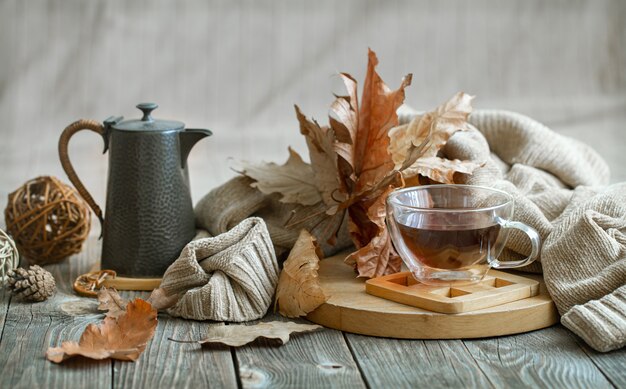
x=34, y=284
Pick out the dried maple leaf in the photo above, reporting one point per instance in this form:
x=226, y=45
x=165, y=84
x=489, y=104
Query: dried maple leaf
x=320, y=142
x=123, y=338
x=368, y=168
x=440, y=169
x=367, y=154
x=295, y=180
x=426, y=134
x=375, y=254
x=109, y=300
x=299, y=291
x=241, y=334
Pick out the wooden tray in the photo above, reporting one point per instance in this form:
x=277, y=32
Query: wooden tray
x=350, y=309
x=496, y=288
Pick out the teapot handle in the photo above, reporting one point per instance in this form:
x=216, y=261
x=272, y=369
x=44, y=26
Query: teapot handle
x=67, y=165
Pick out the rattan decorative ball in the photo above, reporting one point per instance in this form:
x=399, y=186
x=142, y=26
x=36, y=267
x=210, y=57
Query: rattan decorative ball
x=9, y=256
x=48, y=220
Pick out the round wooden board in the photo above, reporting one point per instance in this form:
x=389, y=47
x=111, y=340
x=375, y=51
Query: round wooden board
x=350, y=309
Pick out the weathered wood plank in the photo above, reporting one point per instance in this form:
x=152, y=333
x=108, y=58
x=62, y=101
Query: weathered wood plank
x=547, y=358
x=400, y=363
x=318, y=359
x=612, y=364
x=31, y=328
x=169, y=364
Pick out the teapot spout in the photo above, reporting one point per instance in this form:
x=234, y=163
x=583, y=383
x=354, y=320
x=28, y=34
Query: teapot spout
x=188, y=139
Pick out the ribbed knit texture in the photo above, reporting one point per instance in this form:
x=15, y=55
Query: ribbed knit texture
x=230, y=277
x=560, y=188
x=227, y=205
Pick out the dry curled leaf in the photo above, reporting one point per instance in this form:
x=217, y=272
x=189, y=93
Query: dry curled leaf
x=320, y=142
x=111, y=302
x=240, y=334
x=299, y=291
x=440, y=169
x=295, y=180
x=426, y=134
x=123, y=338
x=368, y=167
x=88, y=284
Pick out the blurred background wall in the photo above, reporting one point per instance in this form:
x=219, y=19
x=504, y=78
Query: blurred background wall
x=237, y=67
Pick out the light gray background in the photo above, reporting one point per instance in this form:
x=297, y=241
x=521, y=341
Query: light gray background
x=237, y=67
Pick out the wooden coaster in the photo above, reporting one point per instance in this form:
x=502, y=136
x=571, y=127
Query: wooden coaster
x=495, y=289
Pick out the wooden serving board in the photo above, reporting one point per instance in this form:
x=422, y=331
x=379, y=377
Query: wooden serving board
x=351, y=309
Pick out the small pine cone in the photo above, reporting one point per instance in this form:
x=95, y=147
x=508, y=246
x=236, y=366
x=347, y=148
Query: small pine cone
x=34, y=284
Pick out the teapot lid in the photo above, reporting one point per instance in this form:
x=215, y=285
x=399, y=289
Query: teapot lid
x=147, y=123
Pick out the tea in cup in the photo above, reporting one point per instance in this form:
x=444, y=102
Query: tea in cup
x=453, y=234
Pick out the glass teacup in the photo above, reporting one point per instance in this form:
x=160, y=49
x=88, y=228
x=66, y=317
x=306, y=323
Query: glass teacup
x=453, y=234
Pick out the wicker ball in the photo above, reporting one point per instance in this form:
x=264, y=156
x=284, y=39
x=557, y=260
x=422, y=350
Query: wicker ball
x=48, y=220
x=9, y=256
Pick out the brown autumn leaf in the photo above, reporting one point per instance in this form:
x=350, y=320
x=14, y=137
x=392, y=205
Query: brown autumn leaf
x=368, y=168
x=375, y=254
x=299, y=291
x=295, y=180
x=123, y=338
x=440, y=169
x=109, y=300
x=320, y=143
x=367, y=156
x=237, y=335
x=426, y=134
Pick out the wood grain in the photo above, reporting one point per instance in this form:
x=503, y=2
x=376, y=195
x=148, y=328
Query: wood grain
x=350, y=309
x=542, y=359
x=315, y=359
x=31, y=328
x=611, y=364
x=169, y=364
x=400, y=363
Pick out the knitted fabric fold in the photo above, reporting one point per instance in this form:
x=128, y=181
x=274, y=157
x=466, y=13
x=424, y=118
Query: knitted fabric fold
x=560, y=187
x=230, y=277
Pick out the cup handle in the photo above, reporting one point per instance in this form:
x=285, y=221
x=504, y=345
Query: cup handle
x=535, y=242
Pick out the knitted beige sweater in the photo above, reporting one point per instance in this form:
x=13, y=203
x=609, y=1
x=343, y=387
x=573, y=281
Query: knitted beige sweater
x=561, y=189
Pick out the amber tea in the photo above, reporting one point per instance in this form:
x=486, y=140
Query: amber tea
x=453, y=234
x=444, y=247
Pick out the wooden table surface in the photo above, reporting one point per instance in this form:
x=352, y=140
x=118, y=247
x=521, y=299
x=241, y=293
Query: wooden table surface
x=552, y=357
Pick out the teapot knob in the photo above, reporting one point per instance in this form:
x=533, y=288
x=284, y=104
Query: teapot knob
x=147, y=108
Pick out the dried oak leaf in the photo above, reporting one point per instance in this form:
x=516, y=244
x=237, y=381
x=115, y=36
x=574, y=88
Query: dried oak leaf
x=122, y=338
x=414, y=146
x=109, y=300
x=295, y=180
x=241, y=334
x=299, y=291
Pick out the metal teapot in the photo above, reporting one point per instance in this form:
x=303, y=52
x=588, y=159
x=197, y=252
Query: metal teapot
x=149, y=214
